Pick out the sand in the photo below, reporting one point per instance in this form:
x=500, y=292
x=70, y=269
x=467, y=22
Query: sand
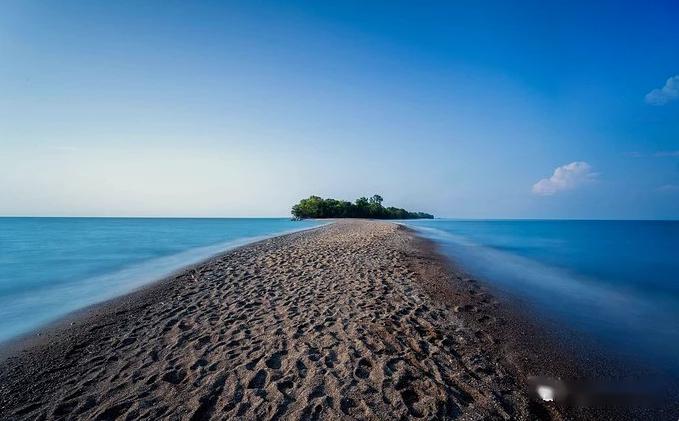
x=353, y=320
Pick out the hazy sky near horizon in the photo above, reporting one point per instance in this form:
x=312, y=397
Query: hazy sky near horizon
x=465, y=109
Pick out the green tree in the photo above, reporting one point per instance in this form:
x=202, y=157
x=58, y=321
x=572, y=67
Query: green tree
x=317, y=207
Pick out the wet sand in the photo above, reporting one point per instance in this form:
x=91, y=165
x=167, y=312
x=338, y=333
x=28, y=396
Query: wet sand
x=354, y=320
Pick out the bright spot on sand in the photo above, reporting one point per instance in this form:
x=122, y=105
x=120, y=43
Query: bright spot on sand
x=546, y=393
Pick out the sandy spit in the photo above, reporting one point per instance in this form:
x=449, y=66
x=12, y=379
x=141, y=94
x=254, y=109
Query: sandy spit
x=353, y=320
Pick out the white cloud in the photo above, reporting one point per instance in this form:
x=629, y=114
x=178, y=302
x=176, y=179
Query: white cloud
x=669, y=188
x=667, y=93
x=65, y=148
x=565, y=177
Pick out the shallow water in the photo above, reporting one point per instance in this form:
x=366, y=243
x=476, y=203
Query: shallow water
x=52, y=266
x=611, y=283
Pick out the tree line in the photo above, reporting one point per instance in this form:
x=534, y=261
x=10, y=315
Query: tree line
x=317, y=207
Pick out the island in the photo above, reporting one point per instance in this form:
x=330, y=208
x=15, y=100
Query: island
x=317, y=207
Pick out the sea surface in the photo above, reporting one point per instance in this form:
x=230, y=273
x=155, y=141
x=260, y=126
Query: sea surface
x=611, y=284
x=52, y=266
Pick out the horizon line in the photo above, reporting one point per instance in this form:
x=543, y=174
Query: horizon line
x=461, y=219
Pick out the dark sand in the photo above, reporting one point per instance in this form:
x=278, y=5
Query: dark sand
x=356, y=319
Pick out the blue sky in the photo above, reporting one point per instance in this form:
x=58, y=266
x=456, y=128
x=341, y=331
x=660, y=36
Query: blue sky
x=470, y=110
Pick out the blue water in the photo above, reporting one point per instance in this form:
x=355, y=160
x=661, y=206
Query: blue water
x=52, y=266
x=612, y=283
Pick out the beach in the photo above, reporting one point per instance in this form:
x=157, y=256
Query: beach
x=356, y=319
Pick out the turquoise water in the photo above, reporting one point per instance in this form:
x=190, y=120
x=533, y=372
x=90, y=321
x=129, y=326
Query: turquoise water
x=52, y=266
x=610, y=283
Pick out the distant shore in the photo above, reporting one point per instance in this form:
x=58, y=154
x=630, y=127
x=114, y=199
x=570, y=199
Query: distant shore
x=358, y=319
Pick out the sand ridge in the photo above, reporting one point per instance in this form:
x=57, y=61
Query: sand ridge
x=339, y=322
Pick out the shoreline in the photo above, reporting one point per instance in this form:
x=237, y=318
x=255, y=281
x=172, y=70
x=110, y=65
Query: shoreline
x=35, y=335
x=478, y=337
x=599, y=385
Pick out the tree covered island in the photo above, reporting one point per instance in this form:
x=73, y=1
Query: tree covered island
x=317, y=207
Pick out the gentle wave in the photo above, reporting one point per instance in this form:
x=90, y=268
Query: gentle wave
x=24, y=309
x=641, y=326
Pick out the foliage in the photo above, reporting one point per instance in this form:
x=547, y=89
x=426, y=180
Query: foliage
x=317, y=207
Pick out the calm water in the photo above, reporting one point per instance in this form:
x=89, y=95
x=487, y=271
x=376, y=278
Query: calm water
x=614, y=283
x=52, y=266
